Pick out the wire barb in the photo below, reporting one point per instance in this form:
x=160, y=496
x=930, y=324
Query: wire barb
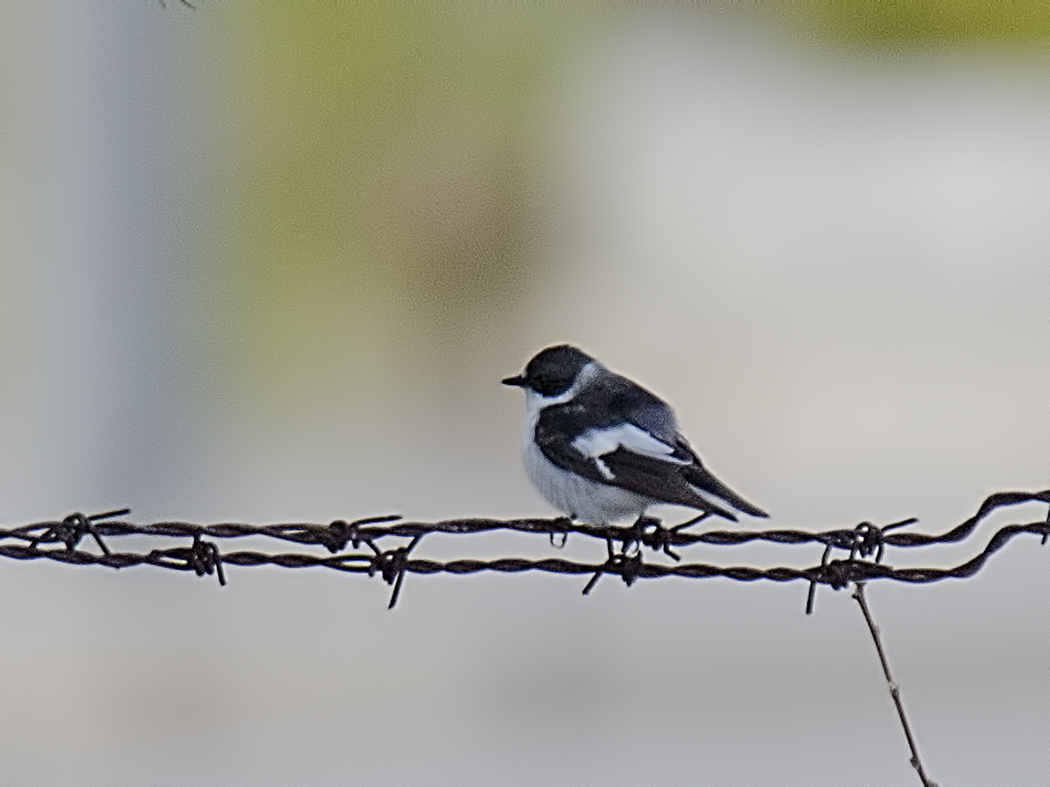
x=391, y=565
x=863, y=540
x=74, y=527
x=201, y=557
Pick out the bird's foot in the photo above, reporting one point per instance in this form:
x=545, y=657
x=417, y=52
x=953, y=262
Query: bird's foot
x=649, y=531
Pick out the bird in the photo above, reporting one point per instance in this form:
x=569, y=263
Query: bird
x=601, y=448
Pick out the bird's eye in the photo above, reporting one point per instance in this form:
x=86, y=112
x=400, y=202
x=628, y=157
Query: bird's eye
x=550, y=385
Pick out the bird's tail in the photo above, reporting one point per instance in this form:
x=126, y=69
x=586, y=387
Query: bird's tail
x=700, y=477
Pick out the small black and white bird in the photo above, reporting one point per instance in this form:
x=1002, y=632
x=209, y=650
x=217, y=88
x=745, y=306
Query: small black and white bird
x=601, y=448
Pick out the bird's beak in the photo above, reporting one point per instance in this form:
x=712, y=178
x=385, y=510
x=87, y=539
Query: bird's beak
x=517, y=380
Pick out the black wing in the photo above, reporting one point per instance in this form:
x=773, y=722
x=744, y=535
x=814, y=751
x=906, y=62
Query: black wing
x=660, y=479
x=679, y=478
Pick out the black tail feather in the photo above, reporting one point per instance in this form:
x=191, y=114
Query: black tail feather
x=697, y=475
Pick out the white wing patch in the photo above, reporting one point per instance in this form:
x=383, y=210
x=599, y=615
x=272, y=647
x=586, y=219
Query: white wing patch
x=603, y=468
x=597, y=442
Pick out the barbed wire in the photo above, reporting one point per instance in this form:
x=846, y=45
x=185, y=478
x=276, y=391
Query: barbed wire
x=866, y=545
x=60, y=541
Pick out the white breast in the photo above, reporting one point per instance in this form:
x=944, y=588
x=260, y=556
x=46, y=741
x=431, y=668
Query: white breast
x=578, y=497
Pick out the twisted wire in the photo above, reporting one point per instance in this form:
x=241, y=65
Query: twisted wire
x=60, y=541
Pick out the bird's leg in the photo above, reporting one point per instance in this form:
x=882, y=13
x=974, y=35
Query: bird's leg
x=633, y=535
x=646, y=531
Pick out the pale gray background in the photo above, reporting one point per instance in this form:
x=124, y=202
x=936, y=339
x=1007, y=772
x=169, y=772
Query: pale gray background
x=833, y=260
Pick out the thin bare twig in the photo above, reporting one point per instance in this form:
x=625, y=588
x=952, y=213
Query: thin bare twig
x=895, y=692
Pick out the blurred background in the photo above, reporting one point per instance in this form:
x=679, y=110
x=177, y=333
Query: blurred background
x=269, y=264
